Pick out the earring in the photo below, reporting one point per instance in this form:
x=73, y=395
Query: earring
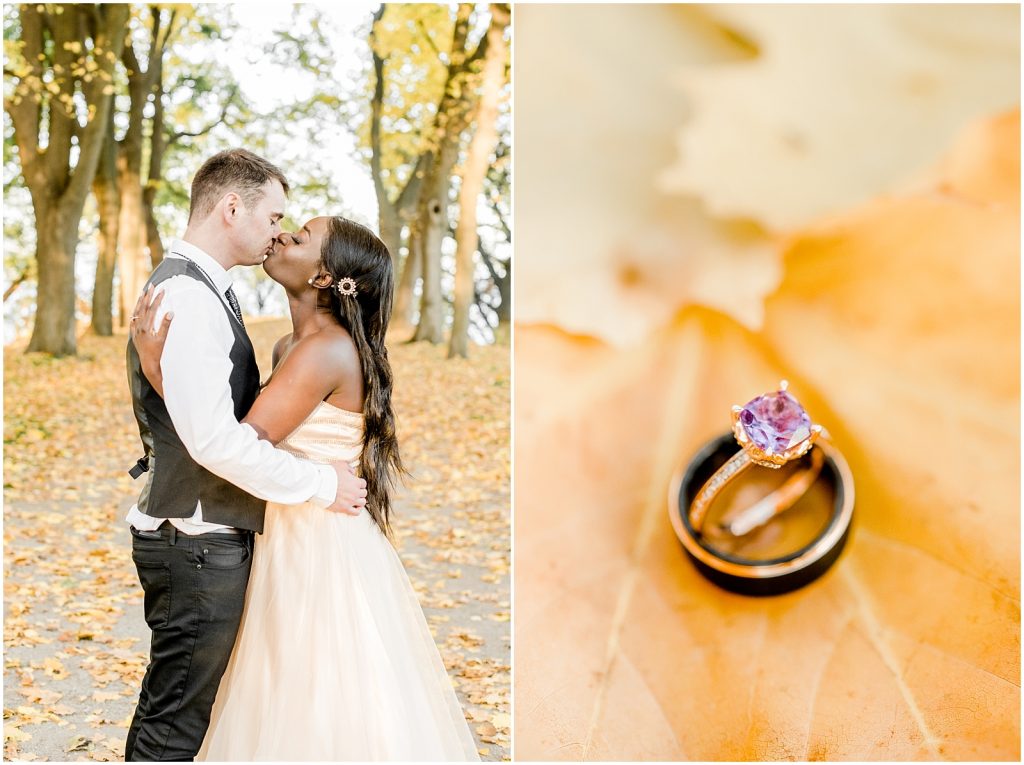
x=309, y=281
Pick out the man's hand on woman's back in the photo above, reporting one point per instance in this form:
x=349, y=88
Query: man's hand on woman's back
x=351, y=494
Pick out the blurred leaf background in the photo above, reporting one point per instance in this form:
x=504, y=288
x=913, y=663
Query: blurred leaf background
x=714, y=198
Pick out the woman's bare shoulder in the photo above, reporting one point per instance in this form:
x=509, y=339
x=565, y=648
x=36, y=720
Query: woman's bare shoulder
x=279, y=348
x=332, y=348
x=326, y=363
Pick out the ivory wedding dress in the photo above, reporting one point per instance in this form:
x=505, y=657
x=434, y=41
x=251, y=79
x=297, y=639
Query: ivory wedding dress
x=334, y=659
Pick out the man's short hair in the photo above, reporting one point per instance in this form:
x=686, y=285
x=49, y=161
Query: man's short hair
x=236, y=170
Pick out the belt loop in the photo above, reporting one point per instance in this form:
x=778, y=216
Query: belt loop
x=174, y=533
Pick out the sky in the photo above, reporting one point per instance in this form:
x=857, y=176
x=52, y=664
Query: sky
x=267, y=87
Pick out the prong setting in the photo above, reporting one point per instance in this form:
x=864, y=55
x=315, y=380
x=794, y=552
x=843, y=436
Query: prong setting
x=780, y=409
x=772, y=430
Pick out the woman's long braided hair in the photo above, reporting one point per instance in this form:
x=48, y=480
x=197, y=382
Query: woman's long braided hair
x=353, y=252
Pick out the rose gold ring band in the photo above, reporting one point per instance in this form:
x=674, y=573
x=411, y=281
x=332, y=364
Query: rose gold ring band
x=746, y=520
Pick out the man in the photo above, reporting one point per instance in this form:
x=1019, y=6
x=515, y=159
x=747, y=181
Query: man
x=209, y=476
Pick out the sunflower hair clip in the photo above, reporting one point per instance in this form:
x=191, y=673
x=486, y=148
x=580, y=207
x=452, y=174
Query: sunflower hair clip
x=346, y=286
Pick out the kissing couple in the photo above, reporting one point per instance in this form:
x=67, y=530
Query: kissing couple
x=284, y=626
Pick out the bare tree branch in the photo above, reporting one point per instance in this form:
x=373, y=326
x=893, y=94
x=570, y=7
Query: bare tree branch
x=480, y=51
x=376, y=107
x=17, y=282
x=488, y=260
x=430, y=40
x=160, y=41
x=129, y=58
x=502, y=221
x=114, y=19
x=176, y=136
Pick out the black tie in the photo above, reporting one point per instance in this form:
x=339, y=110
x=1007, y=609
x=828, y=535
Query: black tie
x=233, y=302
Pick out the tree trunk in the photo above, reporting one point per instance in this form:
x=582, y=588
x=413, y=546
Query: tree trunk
x=135, y=225
x=434, y=221
x=480, y=148
x=58, y=191
x=458, y=344
x=391, y=232
x=392, y=215
x=452, y=114
x=108, y=202
x=57, y=239
x=502, y=333
x=133, y=262
x=157, y=149
x=153, y=241
x=404, y=312
x=504, y=284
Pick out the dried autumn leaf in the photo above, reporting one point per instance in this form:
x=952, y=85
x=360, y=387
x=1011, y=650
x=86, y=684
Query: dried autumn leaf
x=841, y=104
x=54, y=668
x=783, y=113
x=897, y=325
x=78, y=744
x=15, y=734
x=596, y=221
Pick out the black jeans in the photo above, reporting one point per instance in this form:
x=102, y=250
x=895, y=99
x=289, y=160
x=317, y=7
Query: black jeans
x=195, y=592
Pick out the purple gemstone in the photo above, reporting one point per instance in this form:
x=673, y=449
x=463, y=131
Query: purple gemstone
x=775, y=422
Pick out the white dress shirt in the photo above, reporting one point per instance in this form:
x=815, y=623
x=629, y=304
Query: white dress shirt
x=196, y=368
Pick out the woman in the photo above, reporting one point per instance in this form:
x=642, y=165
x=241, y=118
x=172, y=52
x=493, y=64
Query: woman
x=334, y=659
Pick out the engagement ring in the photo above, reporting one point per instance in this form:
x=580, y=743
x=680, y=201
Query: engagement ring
x=744, y=545
x=772, y=429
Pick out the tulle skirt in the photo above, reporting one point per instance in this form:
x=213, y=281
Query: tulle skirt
x=334, y=659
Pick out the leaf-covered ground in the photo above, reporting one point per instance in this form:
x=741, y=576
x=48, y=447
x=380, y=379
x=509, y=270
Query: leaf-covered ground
x=74, y=637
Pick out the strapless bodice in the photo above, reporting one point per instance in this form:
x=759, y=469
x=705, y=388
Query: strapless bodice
x=329, y=434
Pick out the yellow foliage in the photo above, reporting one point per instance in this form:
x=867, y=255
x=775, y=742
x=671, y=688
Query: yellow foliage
x=414, y=39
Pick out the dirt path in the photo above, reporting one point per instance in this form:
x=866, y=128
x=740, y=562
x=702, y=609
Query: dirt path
x=75, y=641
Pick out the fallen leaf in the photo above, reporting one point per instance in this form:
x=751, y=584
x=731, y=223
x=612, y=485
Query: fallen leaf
x=78, y=744
x=15, y=734
x=770, y=116
x=599, y=230
x=840, y=105
x=897, y=324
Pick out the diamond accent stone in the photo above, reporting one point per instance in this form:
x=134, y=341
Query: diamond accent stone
x=722, y=476
x=775, y=422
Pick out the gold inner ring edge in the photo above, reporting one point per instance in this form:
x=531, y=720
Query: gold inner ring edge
x=766, y=571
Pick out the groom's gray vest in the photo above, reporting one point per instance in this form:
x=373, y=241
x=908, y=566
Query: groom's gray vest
x=176, y=481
